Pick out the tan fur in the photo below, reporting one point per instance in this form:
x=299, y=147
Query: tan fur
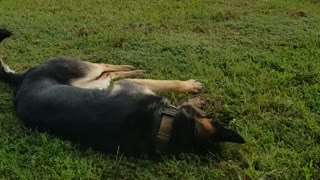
x=99, y=76
x=204, y=127
x=162, y=86
x=116, y=68
x=89, y=81
x=195, y=102
x=126, y=74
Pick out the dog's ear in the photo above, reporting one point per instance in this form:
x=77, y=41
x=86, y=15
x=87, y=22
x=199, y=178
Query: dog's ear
x=223, y=134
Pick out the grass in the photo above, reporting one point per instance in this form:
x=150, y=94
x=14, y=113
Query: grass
x=259, y=61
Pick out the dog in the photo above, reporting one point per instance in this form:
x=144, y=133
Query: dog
x=78, y=101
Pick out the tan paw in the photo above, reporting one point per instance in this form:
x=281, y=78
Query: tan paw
x=138, y=73
x=196, y=102
x=127, y=67
x=193, y=86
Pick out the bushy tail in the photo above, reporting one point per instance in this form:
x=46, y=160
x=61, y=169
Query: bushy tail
x=6, y=74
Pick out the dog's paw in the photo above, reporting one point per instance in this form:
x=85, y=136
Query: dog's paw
x=193, y=86
x=197, y=102
x=138, y=73
x=127, y=67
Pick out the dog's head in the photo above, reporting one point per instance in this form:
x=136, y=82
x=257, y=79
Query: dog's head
x=192, y=130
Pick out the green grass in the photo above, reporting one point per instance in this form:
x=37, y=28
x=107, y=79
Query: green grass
x=259, y=61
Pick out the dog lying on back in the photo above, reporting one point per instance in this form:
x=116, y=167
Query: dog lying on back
x=74, y=100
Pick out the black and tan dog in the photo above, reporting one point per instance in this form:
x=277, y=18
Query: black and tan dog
x=74, y=100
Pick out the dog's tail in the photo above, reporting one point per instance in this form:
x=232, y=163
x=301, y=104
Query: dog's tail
x=7, y=75
x=4, y=33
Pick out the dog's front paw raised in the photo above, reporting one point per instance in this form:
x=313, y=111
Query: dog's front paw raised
x=196, y=102
x=193, y=86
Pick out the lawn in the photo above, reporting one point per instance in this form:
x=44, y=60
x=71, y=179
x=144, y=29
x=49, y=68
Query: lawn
x=258, y=59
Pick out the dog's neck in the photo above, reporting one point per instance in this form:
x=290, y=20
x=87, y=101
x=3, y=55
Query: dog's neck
x=163, y=136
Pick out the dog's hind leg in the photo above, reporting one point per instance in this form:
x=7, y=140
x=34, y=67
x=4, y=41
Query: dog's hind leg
x=126, y=74
x=162, y=86
x=105, y=78
x=117, y=68
x=95, y=71
x=98, y=76
x=102, y=71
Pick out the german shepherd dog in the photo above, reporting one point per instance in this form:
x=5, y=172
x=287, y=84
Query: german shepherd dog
x=75, y=100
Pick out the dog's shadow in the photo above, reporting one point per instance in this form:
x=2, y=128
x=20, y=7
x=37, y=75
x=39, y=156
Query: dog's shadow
x=213, y=156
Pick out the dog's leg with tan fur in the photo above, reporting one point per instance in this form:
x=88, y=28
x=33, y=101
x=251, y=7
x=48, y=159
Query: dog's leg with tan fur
x=125, y=74
x=117, y=68
x=162, y=86
x=103, y=82
x=98, y=76
x=95, y=70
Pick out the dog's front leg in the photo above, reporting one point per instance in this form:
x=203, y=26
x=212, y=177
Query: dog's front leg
x=162, y=86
